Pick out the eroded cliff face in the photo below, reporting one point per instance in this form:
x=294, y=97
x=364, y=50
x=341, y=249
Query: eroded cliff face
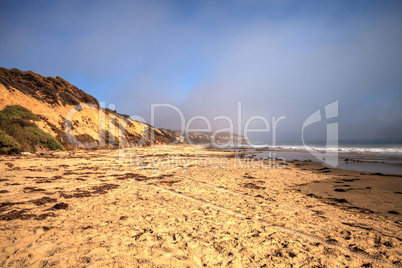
x=60, y=104
x=76, y=119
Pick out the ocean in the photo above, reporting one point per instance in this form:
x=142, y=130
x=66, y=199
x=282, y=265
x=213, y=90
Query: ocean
x=366, y=156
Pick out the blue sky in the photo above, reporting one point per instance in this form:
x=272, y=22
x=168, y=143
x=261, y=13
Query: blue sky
x=277, y=57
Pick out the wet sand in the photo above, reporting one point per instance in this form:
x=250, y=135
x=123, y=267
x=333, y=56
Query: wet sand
x=185, y=206
x=391, y=164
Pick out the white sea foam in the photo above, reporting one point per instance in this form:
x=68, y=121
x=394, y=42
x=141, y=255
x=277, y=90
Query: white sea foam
x=371, y=149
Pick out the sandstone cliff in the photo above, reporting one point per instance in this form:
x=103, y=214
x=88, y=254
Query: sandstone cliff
x=76, y=119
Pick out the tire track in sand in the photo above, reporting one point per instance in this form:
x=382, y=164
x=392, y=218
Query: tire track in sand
x=298, y=208
x=283, y=229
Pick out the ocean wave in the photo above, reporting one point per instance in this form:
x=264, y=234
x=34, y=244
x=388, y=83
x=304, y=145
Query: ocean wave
x=388, y=150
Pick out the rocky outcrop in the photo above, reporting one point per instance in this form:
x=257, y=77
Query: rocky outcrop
x=204, y=137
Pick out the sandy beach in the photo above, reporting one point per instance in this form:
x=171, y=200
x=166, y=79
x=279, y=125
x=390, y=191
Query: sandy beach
x=181, y=206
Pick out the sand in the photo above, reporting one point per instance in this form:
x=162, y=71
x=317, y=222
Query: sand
x=178, y=206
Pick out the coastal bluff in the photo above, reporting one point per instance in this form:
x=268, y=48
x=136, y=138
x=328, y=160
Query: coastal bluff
x=56, y=104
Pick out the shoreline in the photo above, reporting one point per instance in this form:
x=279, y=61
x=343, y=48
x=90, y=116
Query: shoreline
x=374, y=163
x=185, y=206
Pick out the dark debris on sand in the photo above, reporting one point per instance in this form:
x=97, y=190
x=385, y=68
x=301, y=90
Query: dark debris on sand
x=59, y=206
x=78, y=194
x=33, y=189
x=101, y=189
x=16, y=214
x=43, y=201
x=169, y=183
x=4, y=206
x=137, y=177
x=393, y=212
x=22, y=215
x=252, y=186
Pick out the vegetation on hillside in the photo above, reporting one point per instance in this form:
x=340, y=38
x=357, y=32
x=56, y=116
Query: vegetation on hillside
x=18, y=132
x=8, y=145
x=54, y=90
x=19, y=125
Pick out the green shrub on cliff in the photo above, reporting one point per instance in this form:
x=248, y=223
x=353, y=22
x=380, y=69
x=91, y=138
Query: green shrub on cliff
x=17, y=112
x=8, y=145
x=18, y=124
